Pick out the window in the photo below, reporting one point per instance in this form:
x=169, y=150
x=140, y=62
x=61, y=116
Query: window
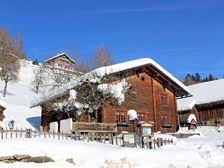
x=165, y=122
x=120, y=117
x=142, y=78
x=163, y=99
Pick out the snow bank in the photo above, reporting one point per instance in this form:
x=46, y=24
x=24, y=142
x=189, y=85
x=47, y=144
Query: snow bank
x=2, y=125
x=3, y=104
x=66, y=126
x=202, y=152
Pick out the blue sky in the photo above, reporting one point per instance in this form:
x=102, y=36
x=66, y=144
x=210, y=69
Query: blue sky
x=184, y=36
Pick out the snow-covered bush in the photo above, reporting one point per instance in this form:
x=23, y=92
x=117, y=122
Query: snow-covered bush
x=89, y=95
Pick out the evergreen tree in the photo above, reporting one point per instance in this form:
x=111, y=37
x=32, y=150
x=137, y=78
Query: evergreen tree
x=197, y=78
x=211, y=77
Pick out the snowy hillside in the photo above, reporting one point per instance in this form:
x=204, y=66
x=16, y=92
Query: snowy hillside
x=19, y=96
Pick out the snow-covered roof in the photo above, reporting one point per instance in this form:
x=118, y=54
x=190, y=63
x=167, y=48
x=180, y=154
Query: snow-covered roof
x=3, y=104
x=111, y=69
x=191, y=117
x=134, y=64
x=203, y=93
x=59, y=55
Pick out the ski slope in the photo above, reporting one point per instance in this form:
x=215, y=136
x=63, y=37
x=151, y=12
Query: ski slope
x=19, y=96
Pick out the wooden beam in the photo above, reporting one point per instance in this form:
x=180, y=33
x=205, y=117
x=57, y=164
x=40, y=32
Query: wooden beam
x=154, y=104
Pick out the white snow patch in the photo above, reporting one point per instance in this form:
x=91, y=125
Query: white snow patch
x=132, y=114
x=3, y=104
x=2, y=125
x=205, y=92
x=191, y=117
x=201, y=152
x=117, y=90
x=72, y=94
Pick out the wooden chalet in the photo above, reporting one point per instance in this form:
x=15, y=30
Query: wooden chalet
x=61, y=60
x=155, y=90
x=207, y=103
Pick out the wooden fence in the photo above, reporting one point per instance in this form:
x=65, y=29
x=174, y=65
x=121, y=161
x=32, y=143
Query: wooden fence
x=109, y=138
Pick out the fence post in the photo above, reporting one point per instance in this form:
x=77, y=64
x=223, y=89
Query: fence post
x=2, y=134
x=110, y=142
x=154, y=143
x=88, y=136
x=21, y=131
x=135, y=137
x=11, y=133
x=100, y=136
x=58, y=136
x=35, y=133
x=157, y=142
x=104, y=137
x=161, y=140
x=66, y=136
x=45, y=134
x=150, y=143
x=142, y=140
x=6, y=134
x=116, y=139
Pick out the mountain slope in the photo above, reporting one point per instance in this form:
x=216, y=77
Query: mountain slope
x=19, y=96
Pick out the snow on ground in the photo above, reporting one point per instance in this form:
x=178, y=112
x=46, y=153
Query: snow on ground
x=195, y=152
x=19, y=96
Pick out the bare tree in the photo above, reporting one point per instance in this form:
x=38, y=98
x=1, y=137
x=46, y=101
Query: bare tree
x=58, y=77
x=9, y=70
x=48, y=78
x=90, y=94
x=10, y=52
x=82, y=64
x=103, y=57
x=39, y=78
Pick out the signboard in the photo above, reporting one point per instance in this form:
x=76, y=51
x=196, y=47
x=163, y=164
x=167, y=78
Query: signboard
x=93, y=127
x=146, y=128
x=129, y=140
x=146, y=131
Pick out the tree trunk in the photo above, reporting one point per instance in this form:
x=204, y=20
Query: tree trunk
x=37, y=89
x=5, y=88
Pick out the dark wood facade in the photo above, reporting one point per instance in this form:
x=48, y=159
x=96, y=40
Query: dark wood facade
x=1, y=113
x=61, y=61
x=155, y=100
x=207, y=114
